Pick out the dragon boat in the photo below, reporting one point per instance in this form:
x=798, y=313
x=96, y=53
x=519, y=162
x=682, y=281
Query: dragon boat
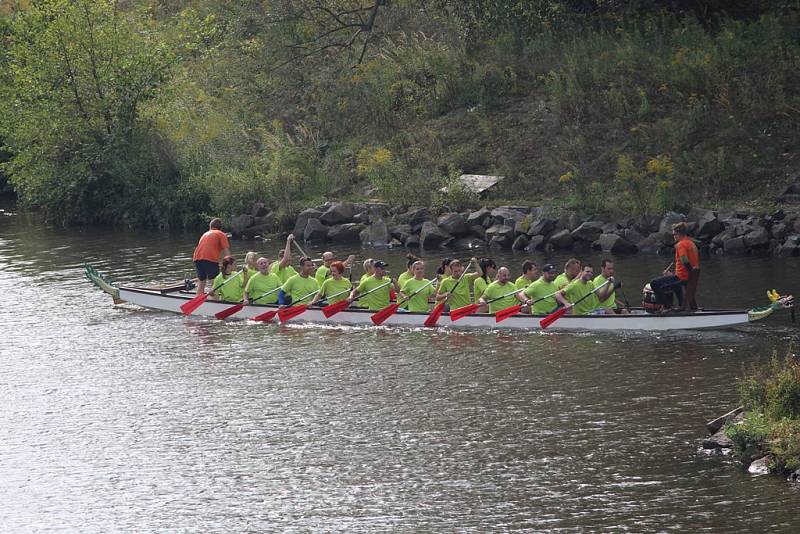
x=170, y=298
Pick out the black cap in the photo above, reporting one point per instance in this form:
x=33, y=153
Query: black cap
x=380, y=264
x=548, y=267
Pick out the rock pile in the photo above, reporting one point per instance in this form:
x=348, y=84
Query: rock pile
x=534, y=229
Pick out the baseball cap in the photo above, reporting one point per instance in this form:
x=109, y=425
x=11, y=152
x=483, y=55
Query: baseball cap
x=546, y=268
x=380, y=264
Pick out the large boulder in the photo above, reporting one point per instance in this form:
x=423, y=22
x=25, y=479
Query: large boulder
x=616, y=244
x=655, y=243
x=240, y=223
x=412, y=241
x=345, y=233
x=431, y=236
x=478, y=230
x=778, y=231
x=259, y=210
x=648, y=223
x=500, y=235
x=507, y=216
x=536, y=243
x=541, y=227
x=302, y=220
x=338, y=213
x=453, y=224
x=735, y=245
x=726, y=234
x=315, y=232
x=632, y=235
x=520, y=242
x=378, y=235
x=588, y=231
x=400, y=232
x=791, y=247
x=708, y=224
x=477, y=217
x=758, y=237
x=669, y=219
x=561, y=239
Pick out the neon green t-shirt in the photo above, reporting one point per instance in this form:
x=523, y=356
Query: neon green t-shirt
x=403, y=278
x=611, y=301
x=419, y=302
x=260, y=284
x=577, y=290
x=283, y=274
x=298, y=287
x=561, y=281
x=364, y=277
x=522, y=282
x=374, y=301
x=460, y=297
x=538, y=290
x=479, y=287
x=322, y=274
x=230, y=292
x=332, y=286
x=496, y=289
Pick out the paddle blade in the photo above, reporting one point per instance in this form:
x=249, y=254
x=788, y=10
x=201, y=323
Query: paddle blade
x=502, y=315
x=553, y=317
x=227, y=312
x=284, y=314
x=385, y=313
x=332, y=309
x=463, y=311
x=433, y=317
x=191, y=305
x=266, y=316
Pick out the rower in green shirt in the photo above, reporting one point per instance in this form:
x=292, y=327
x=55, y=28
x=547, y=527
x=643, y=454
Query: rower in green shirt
x=283, y=269
x=323, y=271
x=419, y=302
x=543, y=294
x=530, y=273
x=501, y=286
x=300, y=286
x=571, y=269
x=488, y=271
x=611, y=305
x=335, y=288
x=583, y=286
x=260, y=283
x=379, y=299
x=233, y=291
x=460, y=297
x=408, y=274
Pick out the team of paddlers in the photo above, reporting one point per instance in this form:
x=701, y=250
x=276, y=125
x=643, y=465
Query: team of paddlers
x=457, y=284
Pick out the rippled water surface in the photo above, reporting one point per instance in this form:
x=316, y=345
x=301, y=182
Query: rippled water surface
x=116, y=418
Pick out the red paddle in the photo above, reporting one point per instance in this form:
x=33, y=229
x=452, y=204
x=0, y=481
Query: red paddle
x=502, y=315
x=556, y=315
x=469, y=309
x=191, y=305
x=437, y=310
x=379, y=317
x=284, y=314
x=227, y=312
x=332, y=309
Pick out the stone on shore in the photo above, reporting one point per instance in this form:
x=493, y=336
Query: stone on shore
x=543, y=227
x=757, y=237
x=616, y=244
x=477, y=217
x=240, y=223
x=500, y=235
x=345, y=233
x=431, y=236
x=378, y=233
x=588, y=231
x=561, y=239
x=302, y=220
x=708, y=225
x=520, y=242
x=536, y=243
x=315, y=232
x=453, y=224
x=338, y=213
x=506, y=216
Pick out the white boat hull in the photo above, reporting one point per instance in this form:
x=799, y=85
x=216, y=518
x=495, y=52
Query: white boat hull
x=639, y=320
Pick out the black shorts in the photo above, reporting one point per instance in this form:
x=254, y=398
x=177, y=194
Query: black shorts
x=206, y=270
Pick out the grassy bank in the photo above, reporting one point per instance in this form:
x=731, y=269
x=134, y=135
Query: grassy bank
x=207, y=107
x=770, y=394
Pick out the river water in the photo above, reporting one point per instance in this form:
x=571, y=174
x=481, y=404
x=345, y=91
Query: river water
x=123, y=419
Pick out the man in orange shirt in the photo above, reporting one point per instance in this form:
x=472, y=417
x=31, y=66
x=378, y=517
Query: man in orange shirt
x=687, y=271
x=206, y=255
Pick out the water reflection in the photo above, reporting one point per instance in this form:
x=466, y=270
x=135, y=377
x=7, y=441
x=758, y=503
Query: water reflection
x=125, y=419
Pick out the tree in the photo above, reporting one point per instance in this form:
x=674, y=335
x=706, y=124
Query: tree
x=79, y=71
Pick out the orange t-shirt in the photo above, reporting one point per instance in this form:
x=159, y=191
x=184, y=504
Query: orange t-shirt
x=685, y=247
x=211, y=244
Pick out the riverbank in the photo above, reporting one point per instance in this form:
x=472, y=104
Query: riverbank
x=531, y=229
x=763, y=435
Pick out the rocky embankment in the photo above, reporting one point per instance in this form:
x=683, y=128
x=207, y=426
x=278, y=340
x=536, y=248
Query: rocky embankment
x=531, y=229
